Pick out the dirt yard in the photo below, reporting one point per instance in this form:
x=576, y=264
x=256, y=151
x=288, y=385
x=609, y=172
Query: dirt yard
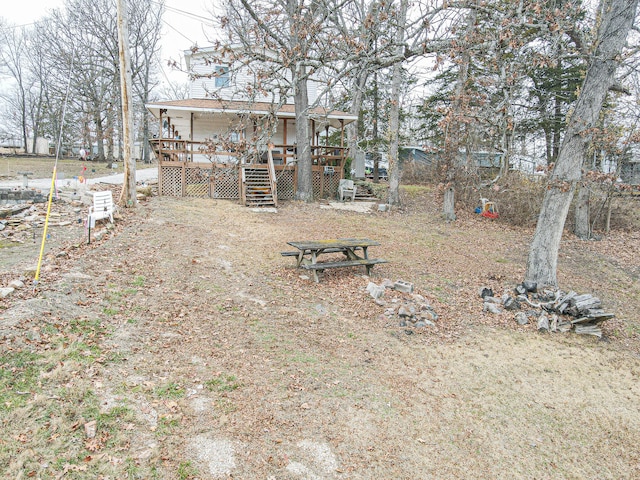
x=182, y=345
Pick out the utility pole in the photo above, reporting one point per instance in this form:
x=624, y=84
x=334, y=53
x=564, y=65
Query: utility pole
x=128, y=197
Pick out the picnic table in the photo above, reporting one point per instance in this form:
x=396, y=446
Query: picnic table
x=308, y=252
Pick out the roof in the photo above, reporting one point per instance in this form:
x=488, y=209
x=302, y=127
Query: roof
x=261, y=108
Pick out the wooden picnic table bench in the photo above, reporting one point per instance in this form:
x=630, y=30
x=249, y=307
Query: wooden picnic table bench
x=309, y=251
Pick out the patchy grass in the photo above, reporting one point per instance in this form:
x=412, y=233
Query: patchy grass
x=223, y=383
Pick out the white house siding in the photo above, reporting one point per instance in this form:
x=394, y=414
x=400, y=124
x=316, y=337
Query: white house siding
x=240, y=77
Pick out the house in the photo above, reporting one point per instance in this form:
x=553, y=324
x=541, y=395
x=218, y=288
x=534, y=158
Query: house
x=235, y=139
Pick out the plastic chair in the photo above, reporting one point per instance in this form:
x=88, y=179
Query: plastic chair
x=346, y=189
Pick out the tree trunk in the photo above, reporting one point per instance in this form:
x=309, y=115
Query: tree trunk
x=582, y=227
x=304, y=190
x=543, y=254
x=354, y=130
x=128, y=197
x=395, y=167
x=448, y=208
x=99, y=136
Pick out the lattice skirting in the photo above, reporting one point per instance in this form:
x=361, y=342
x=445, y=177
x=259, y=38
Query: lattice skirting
x=224, y=183
x=286, y=188
x=197, y=182
x=171, y=181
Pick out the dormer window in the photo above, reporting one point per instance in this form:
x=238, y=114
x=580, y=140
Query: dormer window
x=222, y=76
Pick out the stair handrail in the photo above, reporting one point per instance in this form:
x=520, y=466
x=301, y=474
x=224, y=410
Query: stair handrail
x=273, y=181
x=243, y=185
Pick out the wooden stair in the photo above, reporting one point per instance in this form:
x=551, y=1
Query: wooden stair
x=257, y=187
x=364, y=193
x=259, y=184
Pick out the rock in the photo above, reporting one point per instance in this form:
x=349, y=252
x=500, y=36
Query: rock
x=424, y=323
x=375, y=291
x=543, y=323
x=495, y=300
x=404, y=312
x=486, y=292
x=419, y=298
x=520, y=289
x=76, y=276
x=386, y=283
x=429, y=315
x=90, y=429
x=16, y=284
x=30, y=271
x=521, y=318
x=511, y=303
x=491, y=308
x=6, y=291
x=530, y=286
x=380, y=302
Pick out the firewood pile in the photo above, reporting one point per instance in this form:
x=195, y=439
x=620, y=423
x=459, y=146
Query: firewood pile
x=554, y=311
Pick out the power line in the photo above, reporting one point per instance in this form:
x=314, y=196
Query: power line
x=177, y=31
x=185, y=13
x=14, y=27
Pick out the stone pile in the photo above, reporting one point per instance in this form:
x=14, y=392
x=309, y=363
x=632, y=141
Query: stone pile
x=552, y=310
x=406, y=308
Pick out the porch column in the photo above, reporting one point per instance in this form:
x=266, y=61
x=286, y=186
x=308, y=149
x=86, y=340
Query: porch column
x=284, y=134
x=191, y=137
x=341, y=133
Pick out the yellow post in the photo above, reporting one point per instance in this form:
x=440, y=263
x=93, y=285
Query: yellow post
x=46, y=224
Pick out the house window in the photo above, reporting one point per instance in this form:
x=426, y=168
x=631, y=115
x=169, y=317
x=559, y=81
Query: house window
x=222, y=76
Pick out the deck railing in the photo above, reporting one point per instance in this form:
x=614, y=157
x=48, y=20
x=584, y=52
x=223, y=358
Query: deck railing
x=178, y=150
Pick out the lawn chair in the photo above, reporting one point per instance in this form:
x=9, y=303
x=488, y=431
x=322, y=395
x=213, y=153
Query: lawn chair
x=102, y=208
x=346, y=189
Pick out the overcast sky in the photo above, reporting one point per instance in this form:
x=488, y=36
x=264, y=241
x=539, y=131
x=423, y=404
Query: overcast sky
x=184, y=24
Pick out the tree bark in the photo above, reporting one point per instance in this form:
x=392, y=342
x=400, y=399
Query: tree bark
x=128, y=197
x=448, y=208
x=617, y=20
x=304, y=190
x=582, y=216
x=395, y=167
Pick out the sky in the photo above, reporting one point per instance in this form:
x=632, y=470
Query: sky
x=184, y=24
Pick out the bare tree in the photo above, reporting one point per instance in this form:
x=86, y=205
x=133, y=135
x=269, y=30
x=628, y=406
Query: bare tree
x=615, y=23
x=13, y=56
x=394, y=121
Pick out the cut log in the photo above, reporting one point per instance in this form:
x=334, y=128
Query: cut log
x=589, y=330
x=580, y=320
x=543, y=323
x=592, y=302
x=599, y=315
